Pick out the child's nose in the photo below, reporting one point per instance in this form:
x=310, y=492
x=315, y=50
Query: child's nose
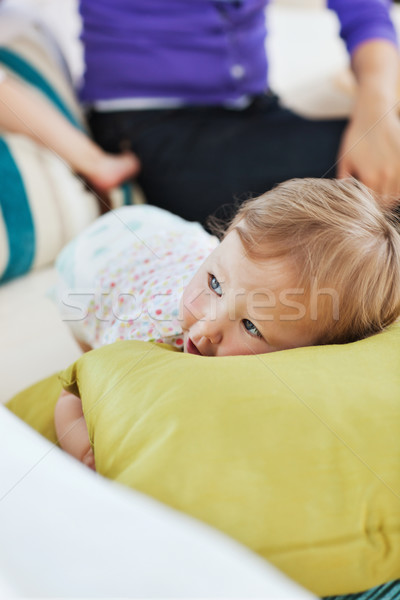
x=211, y=329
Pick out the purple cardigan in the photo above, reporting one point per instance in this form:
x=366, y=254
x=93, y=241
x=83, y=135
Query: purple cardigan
x=196, y=51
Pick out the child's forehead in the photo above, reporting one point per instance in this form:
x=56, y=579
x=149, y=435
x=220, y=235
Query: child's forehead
x=239, y=265
x=259, y=252
x=260, y=247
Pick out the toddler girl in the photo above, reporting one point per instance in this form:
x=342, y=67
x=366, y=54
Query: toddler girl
x=313, y=261
x=310, y=262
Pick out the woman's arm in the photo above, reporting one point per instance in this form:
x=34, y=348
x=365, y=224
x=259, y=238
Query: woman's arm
x=370, y=148
x=71, y=429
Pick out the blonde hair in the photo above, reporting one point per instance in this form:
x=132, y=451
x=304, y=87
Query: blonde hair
x=336, y=234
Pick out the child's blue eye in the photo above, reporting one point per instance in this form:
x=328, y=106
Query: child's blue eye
x=214, y=284
x=248, y=325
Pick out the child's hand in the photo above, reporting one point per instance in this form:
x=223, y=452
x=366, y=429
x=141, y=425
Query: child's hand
x=71, y=428
x=88, y=459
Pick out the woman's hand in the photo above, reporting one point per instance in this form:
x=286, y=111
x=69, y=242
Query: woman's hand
x=370, y=148
x=370, y=151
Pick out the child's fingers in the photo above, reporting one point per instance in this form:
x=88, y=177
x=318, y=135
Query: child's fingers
x=88, y=459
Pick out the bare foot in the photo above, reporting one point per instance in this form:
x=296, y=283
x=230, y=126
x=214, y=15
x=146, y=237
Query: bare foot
x=110, y=170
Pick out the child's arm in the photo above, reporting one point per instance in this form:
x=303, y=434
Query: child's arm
x=71, y=429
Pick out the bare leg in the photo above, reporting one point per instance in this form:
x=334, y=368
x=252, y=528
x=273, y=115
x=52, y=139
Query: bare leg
x=26, y=112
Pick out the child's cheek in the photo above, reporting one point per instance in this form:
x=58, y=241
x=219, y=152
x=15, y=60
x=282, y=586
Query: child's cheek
x=184, y=311
x=192, y=305
x=185, y=341
x=181, y=316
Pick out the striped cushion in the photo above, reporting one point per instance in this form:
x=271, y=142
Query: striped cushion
x=43, y=204
x=387, y=591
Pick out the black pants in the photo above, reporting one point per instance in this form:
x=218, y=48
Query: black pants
x=196, y=160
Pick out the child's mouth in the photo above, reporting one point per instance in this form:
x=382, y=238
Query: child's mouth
x=191, y=348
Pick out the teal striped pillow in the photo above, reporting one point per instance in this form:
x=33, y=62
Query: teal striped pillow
x=43, y=204
x=19, y=225
x=387, y=591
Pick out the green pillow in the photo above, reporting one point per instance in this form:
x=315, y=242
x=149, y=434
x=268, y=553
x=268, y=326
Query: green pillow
x=295, y=454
